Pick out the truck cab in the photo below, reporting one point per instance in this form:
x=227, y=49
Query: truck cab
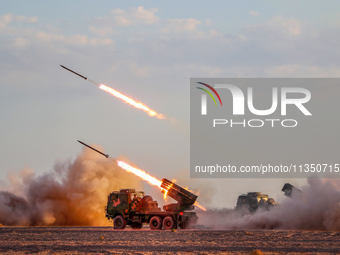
x=121, y=202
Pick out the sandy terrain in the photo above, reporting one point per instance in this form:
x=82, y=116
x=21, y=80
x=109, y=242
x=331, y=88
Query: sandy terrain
x=71, y=240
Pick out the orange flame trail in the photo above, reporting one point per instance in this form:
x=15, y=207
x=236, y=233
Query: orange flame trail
x=117, y=94
x=132, y=102
x=142, y=174
x=150, y=179
x=199, y=206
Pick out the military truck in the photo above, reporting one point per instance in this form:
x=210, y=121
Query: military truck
x=134, y=208
x=253, y=201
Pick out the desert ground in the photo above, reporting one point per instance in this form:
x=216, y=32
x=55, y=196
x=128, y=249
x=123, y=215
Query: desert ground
x=73, y=240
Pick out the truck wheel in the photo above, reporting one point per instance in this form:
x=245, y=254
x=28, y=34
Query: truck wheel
x=155, y=223
x=119, y=222
x=168, y=223
x=136, y=225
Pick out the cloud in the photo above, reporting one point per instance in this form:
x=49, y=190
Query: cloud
x=20, y=42
x=19, y=37
x=135, y=16
x=24, y=19
x=5, y=20
x=277, y=25
x=98, y=41
x=279, y=34
x=147, y=16
x=280, y=46
x=77, y=39
x=254, y=13
x=8, y=18
x=290, y=25
x=181, y=25
x=208, y=22
x=118, y=12
x=294, y=70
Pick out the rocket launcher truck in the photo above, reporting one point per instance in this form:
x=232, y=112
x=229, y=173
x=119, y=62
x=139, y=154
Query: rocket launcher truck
x=134, y=208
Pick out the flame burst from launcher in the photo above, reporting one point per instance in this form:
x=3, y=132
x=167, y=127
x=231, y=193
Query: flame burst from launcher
x=140, y=173
x=165, y=193
x=152, y=180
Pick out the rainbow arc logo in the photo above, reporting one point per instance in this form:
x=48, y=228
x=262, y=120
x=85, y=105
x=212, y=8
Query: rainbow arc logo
x=209, y=93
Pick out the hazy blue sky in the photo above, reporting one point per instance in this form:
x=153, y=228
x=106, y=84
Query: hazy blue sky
x=148, y=50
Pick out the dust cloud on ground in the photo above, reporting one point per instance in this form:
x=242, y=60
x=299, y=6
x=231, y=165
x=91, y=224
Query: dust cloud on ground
x=316, y=208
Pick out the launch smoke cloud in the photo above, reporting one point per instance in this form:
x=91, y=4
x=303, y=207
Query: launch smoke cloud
x=73, y=194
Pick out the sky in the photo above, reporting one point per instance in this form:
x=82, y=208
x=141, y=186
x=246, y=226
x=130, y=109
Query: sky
x=147, y=50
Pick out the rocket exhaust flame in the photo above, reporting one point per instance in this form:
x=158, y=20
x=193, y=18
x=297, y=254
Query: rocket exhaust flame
x=119, y=95
x=199, y=206
x=131, y=101
x=140, y=173
x=150, y=179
